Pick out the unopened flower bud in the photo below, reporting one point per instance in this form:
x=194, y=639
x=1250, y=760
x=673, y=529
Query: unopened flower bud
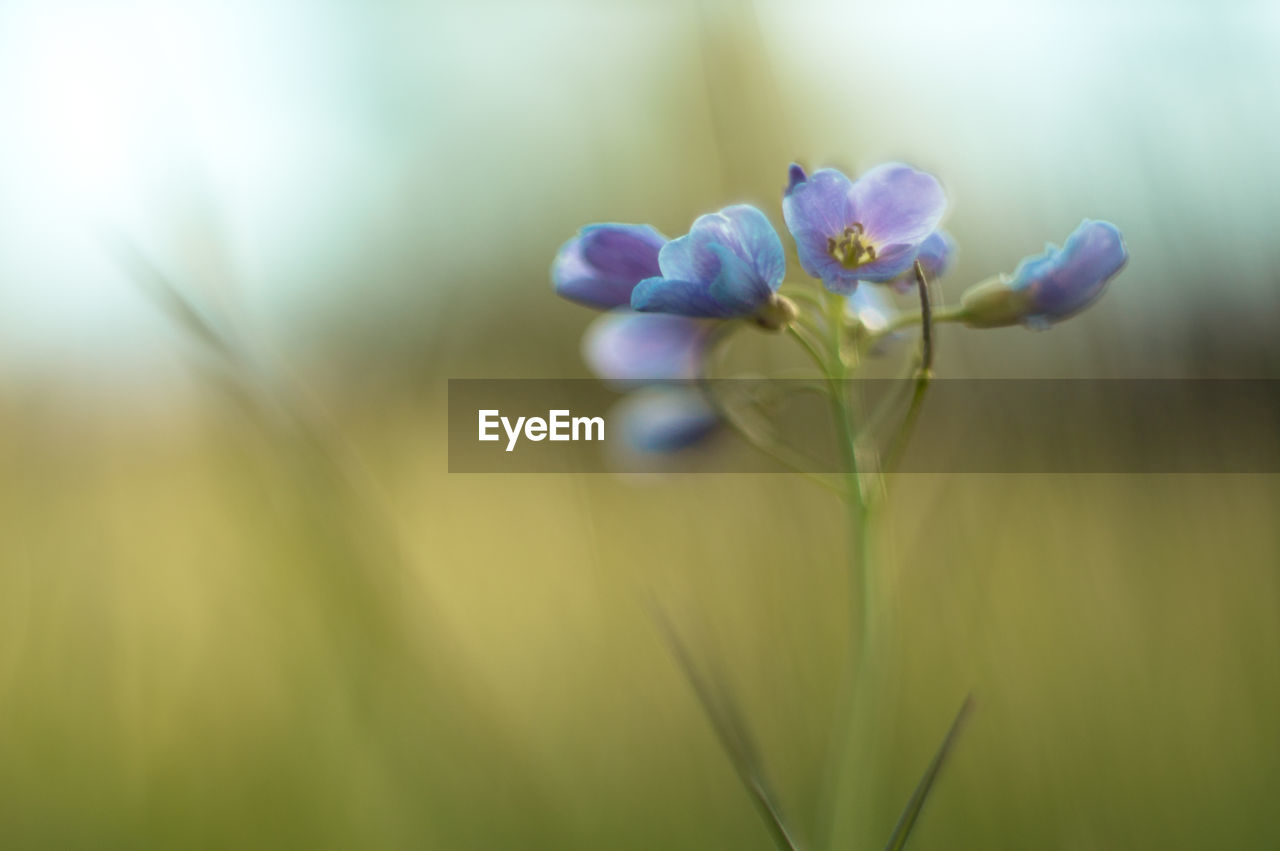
x=1052, y=286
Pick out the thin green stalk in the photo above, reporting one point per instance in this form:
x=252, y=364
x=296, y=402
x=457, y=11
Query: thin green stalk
x=900, y=441
x=860, y=572
x=793, y=460
x=811, y=349
x=911, y=319
x=894, y=400
x=802, y=292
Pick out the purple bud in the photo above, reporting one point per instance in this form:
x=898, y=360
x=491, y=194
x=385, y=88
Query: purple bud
x=1051, y=286
x=795, y=175
x=1061, y=283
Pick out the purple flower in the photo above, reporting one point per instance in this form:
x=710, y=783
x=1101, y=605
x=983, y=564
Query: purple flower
x=865, y=230
x=660, y=348
x=728, y=265
x=602, y=264
x=1052, y=286
x=625, y=346
x=665, y=418
x=1062, y=283
x=935, y=256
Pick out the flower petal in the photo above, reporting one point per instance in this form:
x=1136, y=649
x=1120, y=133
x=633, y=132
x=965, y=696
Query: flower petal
x=665, y=419
x=738, y=289
x=627, y=346
x=671, y=295
x=936, y=253
x=602, y=264
x=575, y=279
x=623, y=252
x=935, y=256
x=819, y=203
x=756, y=242
x=897, y=204
x=892, y=261
x=728, y=264
x=1062, y=283
x=795, y=174
x=690, y=257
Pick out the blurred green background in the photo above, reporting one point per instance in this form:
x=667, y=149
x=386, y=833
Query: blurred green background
x=242, y=604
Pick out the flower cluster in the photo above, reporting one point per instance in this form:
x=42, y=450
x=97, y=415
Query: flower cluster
x=882, y=228
x=602, y=267
x=673, y=304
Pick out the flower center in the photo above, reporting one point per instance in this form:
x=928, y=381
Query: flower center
x=851, y=249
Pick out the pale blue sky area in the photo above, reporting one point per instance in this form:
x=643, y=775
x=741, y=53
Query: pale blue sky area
x=302, y=159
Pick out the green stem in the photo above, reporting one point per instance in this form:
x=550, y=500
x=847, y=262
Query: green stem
x=802, y=292
x=811, y=349
x=794, y=461
x=900, y=441
x=914, y=318
x=860, y=571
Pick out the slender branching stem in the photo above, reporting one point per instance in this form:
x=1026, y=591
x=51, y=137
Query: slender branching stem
x=834, y=356
x=860, y=571
x=911, y=319
x=811, y=348
x=793, y=460
x=802, y=292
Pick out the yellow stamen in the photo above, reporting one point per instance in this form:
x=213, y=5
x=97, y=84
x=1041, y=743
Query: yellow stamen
x=851, y=250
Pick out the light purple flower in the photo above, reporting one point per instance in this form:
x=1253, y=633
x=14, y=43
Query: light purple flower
x=602, y=264
x=865, y=230
x=625, y=346
x=1052, y=286
x=728, y=265
x=936, y=253
x=665, y=418
x=663, y=351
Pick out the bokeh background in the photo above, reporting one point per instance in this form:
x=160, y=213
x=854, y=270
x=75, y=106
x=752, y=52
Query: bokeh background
x=242, y=603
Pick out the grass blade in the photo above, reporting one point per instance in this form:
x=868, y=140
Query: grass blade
x=911, y=813
x=166, y=294
x=731, y=729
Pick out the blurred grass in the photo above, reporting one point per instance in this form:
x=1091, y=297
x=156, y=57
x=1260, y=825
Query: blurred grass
x=209, y=639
